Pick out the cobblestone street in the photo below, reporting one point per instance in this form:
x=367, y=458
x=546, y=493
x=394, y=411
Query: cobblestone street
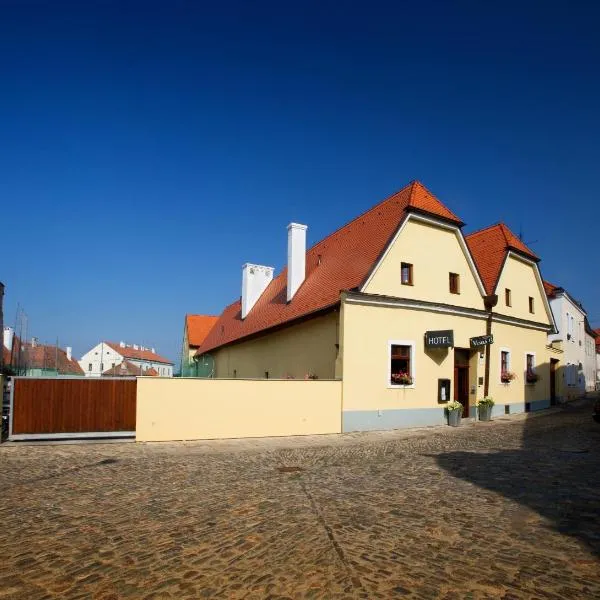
x=509, y=509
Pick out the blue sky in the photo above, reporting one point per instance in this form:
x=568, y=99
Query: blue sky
x=149, y=149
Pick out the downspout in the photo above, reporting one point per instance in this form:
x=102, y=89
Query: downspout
x=489, y=303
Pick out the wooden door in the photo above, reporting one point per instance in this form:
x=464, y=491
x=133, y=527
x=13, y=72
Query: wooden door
x=553, y=363
x=461, y=378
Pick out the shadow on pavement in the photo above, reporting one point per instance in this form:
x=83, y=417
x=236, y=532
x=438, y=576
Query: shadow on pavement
x=556, y=472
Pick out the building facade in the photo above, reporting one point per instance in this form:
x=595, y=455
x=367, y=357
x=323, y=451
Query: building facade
x=405, y=310
x=107, y=355
x=575, y=337
x=195, y=330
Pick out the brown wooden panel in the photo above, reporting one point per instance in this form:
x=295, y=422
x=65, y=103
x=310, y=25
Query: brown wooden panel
x=73, y=405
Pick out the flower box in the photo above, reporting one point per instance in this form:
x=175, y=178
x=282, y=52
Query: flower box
x=401, y=379
x=507, y=376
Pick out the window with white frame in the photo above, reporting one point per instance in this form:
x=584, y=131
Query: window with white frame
x=401, y=363
x=530, y=374
x=506, y=375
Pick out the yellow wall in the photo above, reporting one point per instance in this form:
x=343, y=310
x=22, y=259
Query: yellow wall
x=367, y=330
x=189, y=409
x=308, y=347
x=519, y=341
x=520, y=277
x=434, y=253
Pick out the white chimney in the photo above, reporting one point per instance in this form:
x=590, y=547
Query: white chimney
x=9, y=336
x=135, y=347
x=69, y=352
x=296, y=258
x=122, y=344
x=33, y=342
x=153, y=351
x=255, y=279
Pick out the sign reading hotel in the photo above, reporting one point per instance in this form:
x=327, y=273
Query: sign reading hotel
x=481, y=340
x=439, y=339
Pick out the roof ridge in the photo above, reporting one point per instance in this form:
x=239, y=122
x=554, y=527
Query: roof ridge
x=488, y=227
x=348, y=223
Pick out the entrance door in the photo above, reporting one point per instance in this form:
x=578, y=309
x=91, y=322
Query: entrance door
x=553, y=367
x=461, y=378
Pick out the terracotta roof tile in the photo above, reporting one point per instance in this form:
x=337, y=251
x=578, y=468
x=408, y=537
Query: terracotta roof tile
x=41, y=356
x=551, y=289
x=129, y=352
x=489, y=247
x=340, y=261
x=128, y=369
x=198, y=327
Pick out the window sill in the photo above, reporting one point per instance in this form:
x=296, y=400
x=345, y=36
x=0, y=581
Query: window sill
x=396, y=386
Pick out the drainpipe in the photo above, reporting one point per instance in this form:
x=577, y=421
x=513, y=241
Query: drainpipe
x=489, y=303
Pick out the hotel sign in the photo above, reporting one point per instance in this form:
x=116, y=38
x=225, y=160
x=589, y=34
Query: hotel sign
x=439, y=339
x=481, y=340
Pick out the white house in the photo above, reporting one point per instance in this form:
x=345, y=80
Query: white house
x=578, y=344
x=106, y=355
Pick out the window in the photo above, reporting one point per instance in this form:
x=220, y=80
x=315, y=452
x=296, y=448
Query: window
x=102, y=366
x=406, y=273
x=531, y=306
x=530, y=374
x=401, y=364
x=454, y=283
x=507, y=298
x=235, y=373
x=506, y=376
x=89, y=366
x=266, y=374
x=113, y=365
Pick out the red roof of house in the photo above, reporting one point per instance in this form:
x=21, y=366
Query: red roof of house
x=341, y=261
x=42, y=356
x=128, y=369
x=130, y=352
x=198, y=327
x=489, y=247
x=551, y=289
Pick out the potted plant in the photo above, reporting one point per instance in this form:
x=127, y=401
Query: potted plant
x=531, y=377
x=507, y=376
x=484, y=408
x=402, y=378
x=455, y=411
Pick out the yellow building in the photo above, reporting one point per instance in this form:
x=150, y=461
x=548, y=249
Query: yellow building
x=402, y=308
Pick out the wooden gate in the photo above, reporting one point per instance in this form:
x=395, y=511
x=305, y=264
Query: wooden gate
x=43, y=408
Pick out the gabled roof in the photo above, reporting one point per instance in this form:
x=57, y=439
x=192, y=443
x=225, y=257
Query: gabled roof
x=130, y=352
x=128, y=369
x=42, y=356
x=551, y=289
x=489, y=248
x=597, y=332
x=341, y=261
x=198, y=327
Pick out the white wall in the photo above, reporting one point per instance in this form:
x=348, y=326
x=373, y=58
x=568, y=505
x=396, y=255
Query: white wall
x=574, y=343
x=163, y=369
x=101, y=358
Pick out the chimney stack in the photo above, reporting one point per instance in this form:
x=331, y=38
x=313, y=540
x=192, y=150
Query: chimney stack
x=9, y=336
x=296, y=258
x=69, y=352
x=33, y=342
x=255, y=279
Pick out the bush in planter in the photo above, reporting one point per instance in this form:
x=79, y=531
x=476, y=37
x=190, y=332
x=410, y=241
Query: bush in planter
x=484, y=408
x=532, y=377
x=455, y=411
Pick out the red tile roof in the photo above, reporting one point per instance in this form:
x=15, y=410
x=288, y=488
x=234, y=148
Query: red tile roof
x=127, y=369
x=41, y=356
x=597, y=332
x=130, y=352
x=551, y=289
x=489, y=247
x=198, y=327
x=341, y=261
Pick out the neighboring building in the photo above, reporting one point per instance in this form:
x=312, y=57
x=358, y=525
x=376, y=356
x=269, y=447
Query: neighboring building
x=195, y=330
x=33, y=359
x=590, y=366
x=579, y=361
x=128, y=369
x=400, y=306
x=107, y=355
x=597, y=332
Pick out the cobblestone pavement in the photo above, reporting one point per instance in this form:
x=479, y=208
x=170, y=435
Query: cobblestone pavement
x=509, y=509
